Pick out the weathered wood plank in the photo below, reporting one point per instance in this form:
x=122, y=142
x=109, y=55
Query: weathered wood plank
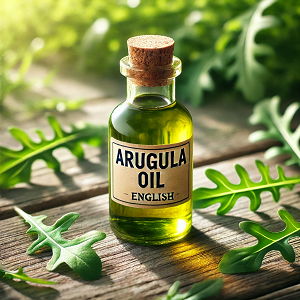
x=139, y=272
x=220, y=133
x=78, y=180
x=290, y=293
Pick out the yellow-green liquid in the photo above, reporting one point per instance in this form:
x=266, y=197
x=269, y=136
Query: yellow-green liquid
x=151, y=120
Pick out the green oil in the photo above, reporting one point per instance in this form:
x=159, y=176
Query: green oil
x=151, y=120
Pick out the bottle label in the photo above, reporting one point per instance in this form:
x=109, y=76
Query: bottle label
x=151, y=176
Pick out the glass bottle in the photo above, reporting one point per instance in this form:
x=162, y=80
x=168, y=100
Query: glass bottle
x=150, y=148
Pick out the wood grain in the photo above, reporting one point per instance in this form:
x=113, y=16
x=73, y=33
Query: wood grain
x=139, y=272
x=220, y=132
x=290, y=293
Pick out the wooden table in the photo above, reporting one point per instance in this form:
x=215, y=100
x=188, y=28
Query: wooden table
x=142, y=272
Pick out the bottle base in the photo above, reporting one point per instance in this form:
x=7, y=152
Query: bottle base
x=151, y=232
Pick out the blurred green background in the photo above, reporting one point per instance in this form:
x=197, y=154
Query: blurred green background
x=244, y=49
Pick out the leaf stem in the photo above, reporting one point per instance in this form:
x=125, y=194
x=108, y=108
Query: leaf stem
x=293, y=181
x=43, y=149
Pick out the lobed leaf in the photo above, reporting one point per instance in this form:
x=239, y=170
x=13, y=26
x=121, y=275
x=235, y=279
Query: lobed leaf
x=199, y=290
x=77, y=253
x=251, y=75
x=249, y=259
x=199, y=78
x=278, y=126
x=227, y=193
x=15, y=165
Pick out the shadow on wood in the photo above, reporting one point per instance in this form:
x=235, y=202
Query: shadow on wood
x=31, y=291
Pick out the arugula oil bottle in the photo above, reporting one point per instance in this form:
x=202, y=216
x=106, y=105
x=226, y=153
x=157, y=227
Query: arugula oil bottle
x=150, y=148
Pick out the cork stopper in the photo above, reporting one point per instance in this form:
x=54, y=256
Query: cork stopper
x=150, y=50
x=150, y=61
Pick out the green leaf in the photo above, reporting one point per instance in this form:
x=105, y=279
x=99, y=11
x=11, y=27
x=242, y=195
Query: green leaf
x=279, y=128
x=251, y=75
x=199, y=79
x=15, y=165
x=22, y=276
x=25, y=64
x=249, y=259
x=77, y=253
x=173, y=290
x=199, y=290
x=47, y=81
x=227, y=193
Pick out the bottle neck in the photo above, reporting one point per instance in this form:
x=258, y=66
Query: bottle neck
x=150, y=97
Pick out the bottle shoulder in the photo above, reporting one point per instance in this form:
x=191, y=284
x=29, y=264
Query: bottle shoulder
x=172, y=123
x=126, y=111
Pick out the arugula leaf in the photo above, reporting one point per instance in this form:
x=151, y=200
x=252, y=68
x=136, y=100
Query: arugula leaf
x=198, y=77
x=251, y=75
x=77, y=253
x=227, y=193
x=249, y=259
x=267, y=113
x=199, y=290
x=22, y=276
x=15, y=165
